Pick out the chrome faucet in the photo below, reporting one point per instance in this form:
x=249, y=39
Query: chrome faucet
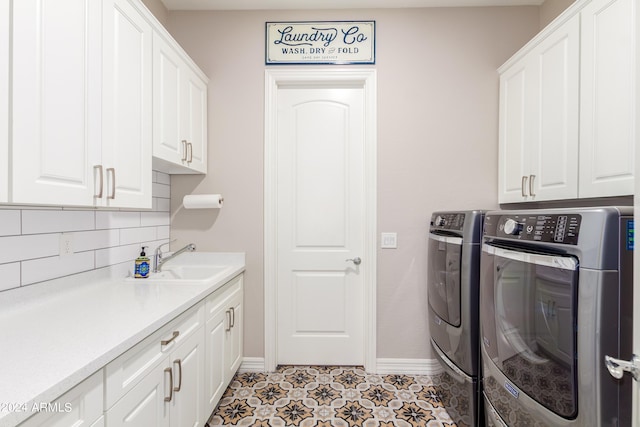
x=159, y=259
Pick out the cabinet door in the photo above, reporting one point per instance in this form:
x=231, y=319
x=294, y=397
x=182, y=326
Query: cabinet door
x=81, y=406
x=513, y=160
x=127, y=104
x=194, y=120
x=234, y=345
x=168, y=75
x=56, y=101
x=4, y=100
x=554, y=135
x=188, y=404
x=145, y=404
x=607, y=98
x=215, y=370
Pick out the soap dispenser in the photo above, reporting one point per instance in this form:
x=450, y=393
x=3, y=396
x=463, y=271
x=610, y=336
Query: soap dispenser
x=142, y=265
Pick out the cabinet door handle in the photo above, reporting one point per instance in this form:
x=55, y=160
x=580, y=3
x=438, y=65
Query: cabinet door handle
x=228, y=328
x=100, y=174
x=170, y=371
x=233, y=317
x=184, y=150
x=523, y=186
x=531, y=178
x=190, y=145
x=173, y=337
x=179, y=362
x=113, y=183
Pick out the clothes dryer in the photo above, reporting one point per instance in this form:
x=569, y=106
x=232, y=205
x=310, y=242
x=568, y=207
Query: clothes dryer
x=454, y=245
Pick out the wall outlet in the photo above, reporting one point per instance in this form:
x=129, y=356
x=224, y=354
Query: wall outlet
x=389, y=240
x=66, y=244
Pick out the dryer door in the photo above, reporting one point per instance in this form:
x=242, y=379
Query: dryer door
x=443, y=277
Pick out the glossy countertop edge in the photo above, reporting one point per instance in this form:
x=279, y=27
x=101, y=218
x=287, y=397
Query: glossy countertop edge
x=14, y=305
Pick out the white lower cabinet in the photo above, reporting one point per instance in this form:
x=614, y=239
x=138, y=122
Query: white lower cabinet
x=176, y=376
x=160, y=381
x=224, y=332
x=81, y=406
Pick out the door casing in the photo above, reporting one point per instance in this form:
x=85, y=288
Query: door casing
x=275, y=78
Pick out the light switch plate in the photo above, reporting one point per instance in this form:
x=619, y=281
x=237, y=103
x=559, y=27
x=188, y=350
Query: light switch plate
x=389, y=240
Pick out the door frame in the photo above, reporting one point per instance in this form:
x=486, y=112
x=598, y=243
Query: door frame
x=275, y=78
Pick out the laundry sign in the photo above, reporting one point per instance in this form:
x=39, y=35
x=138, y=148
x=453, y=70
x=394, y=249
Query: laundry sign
x=329, y=42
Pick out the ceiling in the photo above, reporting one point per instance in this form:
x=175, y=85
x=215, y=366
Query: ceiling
x=334, y=4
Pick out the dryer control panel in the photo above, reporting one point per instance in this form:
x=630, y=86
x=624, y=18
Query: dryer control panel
x=447, y=221
x=554, y=228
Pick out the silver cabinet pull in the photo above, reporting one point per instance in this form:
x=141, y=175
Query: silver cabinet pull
x=228, y=328
x=190, y=152
x=357, y=260
x=531, y=178
x=233, y=316
x=523, y=186
x=179, y=362
x=173, y=337
x=184, y=150
x=113, y=183
x=100, y=174
x=170, y=371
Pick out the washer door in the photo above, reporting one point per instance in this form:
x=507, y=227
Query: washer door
x=528, y=317
x=443, y=277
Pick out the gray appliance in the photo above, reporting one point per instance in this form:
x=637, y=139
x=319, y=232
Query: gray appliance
x=453, y=282
x=556, y=288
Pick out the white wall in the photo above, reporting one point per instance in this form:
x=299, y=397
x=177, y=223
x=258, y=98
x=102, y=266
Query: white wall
x=437, y=139
x=29, y=238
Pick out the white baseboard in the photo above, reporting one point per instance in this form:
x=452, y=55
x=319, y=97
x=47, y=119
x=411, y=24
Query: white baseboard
x=252, y=364
x=409, y=366
x=385, y=366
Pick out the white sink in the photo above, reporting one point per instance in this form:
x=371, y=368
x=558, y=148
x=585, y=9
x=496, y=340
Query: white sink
x=196, y=268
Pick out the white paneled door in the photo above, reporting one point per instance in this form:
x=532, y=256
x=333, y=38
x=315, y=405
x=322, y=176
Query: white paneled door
x=320, y=221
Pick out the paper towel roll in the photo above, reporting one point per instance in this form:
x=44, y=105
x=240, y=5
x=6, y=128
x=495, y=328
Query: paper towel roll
x=203, y=201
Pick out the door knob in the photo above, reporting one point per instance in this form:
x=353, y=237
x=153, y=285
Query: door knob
x=356, y=260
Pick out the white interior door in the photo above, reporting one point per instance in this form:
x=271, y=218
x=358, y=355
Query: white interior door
x=320, y=224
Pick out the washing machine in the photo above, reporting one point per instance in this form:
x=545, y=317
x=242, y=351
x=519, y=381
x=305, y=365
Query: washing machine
x=454, y=247
x=556, y=291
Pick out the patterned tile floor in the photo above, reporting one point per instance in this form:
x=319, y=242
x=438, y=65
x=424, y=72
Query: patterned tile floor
x=330, y=396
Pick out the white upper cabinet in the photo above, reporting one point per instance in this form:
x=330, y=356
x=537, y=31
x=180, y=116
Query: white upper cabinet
x=179, y=111
x=127, y=105
x=566, y=108
x=5, y=19
x=56, y=107
x=538, y=134
x=607, y=103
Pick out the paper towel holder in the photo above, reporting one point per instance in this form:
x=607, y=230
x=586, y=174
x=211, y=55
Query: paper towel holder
x=203, y=201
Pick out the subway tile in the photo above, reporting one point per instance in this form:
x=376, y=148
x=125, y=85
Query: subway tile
x=46, y=221
x=18, y=248
x=137, y=235
x=39, y=270
x=117, y=219
x=148, y=219
x=163, y=178
x=163, y=232
x=9, y=276
x=116, y=255
x=98, y=239
x=161, y=205
x=9, y=223
x=161, y=190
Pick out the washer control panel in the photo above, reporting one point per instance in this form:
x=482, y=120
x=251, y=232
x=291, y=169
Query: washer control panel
x=447, y=221
x=555, y=228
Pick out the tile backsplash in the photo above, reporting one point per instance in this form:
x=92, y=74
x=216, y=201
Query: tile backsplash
x=30, y=238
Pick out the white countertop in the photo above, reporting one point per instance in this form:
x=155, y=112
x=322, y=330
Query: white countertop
x=55, y=335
